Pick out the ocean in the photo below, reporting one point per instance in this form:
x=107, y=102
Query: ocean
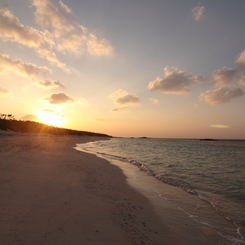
x=211, y=170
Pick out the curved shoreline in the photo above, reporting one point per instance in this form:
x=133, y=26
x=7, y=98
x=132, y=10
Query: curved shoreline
x=54, y=194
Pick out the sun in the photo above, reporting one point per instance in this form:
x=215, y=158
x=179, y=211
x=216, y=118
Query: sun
x=50, y=118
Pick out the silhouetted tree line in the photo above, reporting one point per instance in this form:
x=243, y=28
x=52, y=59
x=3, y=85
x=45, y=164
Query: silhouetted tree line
x=8, y=122
x=7, y=116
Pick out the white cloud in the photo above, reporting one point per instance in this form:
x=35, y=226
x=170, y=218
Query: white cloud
x=48, y=16
x=174, y=82
x=198, y=12
x=122, y=97
x=225, y=76
x=221, y=95
x=59, y=98
x=241, y=60
x=75, y=42
x=48, y=84
x=82, y=101
x=155, y=101
x=65, y=7
x=117, y=94
x=4, y=91
x=12, y=30
x=68, y=36
x=99, y=47
x=25, y=69
x=57, y=34
x=49, y=55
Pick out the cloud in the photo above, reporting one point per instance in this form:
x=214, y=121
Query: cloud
x=57, y=33
x=119, y=109
x=25, y=69
x=242, y=80
x=47, y=15
x=241, y=60
x=57, y=113
x=198, y=12
x=128, y=99
x=68, y=36
x=122, y=97
x=49, y=55
x=12, y=30
x=75, y=42
x=48, y=84
x=30, y=118
x=65, y=7
x=221, y=95
x=4, y=91
x=99, y=47
x=155, y=101
x=174, y=82
x=59, y=98
x=199, y=78
x=82, y=101
x=225, y=76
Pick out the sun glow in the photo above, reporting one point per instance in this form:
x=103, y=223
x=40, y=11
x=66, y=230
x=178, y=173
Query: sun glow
x=50, y=118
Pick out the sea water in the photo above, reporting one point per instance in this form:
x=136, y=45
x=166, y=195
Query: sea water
x=211, y=170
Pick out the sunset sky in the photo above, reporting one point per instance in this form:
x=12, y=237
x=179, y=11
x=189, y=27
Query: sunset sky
x=159, y=68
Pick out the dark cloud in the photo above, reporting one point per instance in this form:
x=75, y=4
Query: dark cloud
x=174, y=82
x=25, y=69
x=128, y=99
x=48, y=84
x=242, y=80
x=122, y=98
x=59, y=98
x=221, y=95
x=120, y=109
x=224, y=76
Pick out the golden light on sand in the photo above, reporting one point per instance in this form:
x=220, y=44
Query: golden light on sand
x=50, y=118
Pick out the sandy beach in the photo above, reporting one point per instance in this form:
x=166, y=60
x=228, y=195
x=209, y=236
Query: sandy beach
x=54, y=194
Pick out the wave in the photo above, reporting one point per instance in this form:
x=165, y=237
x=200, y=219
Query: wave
x=184, y=186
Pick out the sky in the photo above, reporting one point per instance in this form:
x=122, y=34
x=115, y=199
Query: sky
x=128, y=68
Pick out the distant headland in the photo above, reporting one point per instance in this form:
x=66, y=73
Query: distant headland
x=209, y=139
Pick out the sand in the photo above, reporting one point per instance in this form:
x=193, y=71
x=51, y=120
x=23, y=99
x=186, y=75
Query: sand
x=53, y=194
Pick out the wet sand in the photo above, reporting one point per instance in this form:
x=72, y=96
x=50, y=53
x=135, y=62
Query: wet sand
x=54, y=194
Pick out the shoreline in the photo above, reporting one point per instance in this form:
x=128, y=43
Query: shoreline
x=54, y=194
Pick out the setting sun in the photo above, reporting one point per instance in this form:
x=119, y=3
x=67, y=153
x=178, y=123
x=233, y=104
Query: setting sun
x=50, y=118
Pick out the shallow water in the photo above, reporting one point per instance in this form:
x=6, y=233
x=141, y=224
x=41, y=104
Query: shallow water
x=210, y=170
